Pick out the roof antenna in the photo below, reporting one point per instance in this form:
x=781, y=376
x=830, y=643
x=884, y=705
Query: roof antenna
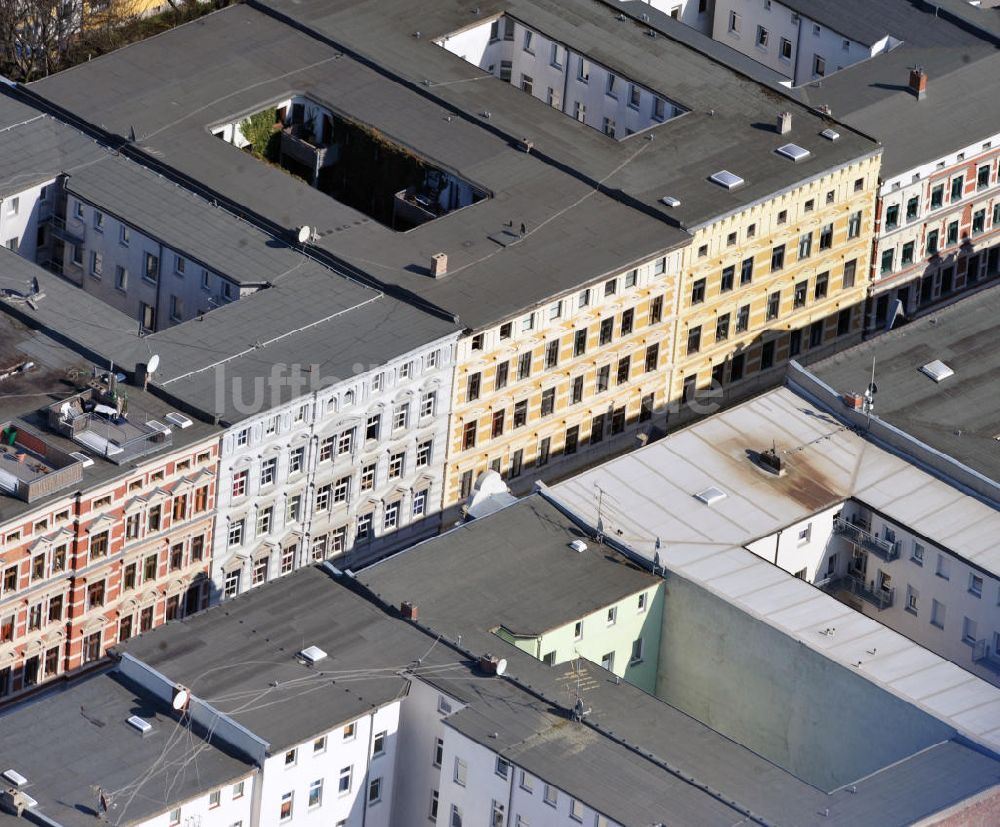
x=869, y=396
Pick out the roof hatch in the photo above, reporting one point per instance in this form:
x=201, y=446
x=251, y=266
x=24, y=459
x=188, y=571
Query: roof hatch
x=727, y=179
x=937, y=370
x=793, y=151
x=711, y=495
x=312, y=654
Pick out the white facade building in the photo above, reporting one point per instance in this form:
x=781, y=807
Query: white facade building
x=357, y=467
x=553, y=72
x=694, y=13
x=24, y=221
x=790, y=43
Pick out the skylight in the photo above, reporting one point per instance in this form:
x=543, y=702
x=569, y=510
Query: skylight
x=830, y=134
x=670, y=201
x=312, y=654
x=710, y=495
x=727, y=179
x=793, y=151
x=937, y=370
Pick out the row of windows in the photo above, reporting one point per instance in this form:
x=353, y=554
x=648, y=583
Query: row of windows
x=955, y=189
x=934, y=243
x=547, y=407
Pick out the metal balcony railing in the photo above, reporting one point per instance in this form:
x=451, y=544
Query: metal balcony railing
x=880, y=598
x=884, y=549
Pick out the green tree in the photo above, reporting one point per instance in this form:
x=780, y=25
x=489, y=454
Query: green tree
x=259, y=130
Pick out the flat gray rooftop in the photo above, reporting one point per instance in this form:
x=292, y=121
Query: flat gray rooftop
x=518, y=571
x=69, y=742
x=958, y=416
x=35, y=148
x=960, y=63
x=590, y=204
x=188, y=224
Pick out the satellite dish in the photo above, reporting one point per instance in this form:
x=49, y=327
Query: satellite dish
x=153, y=364
x=304, y=234
x=180, y=700
x=501, y=666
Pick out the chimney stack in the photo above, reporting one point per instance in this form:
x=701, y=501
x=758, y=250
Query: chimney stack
x=918, y=82
x=408, y=610
x=784, y=123
x=439, y=265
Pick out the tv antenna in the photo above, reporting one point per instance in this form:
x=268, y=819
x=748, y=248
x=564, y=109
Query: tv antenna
x=868, y=405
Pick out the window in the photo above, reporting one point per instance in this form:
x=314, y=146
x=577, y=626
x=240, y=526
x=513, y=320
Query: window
x=942, y=567
x=572, y=439
x=624, y=366
x=121, y=278
x=854, y=224
x=773, y=305
x=819, y=65
x=628, y=320
x=727, y=279
x=957, y=187
x=285, y=812
x=694, y=339
x=653, y=355
x=762, y=37
x=344, y=780
x=606, y=331
x=375, y=791
x=978, y=221
x=345, y=442
x=805, y=245
x=554, y=58
x=580, y=342
x=96, y=264
x=391, y=517
x=506, y=68
x=316, y=793
x=786, y=49
x=179, y=265
x=636, y=655
x=552, y=354
x=461, y=771
x=937, y=614
x=975, y=585
x=799, y=297
x=698, y=292
x=983, y=177
x=240, y=483
x=826, y=237
x=734, y=22
x=401, y=416
x=151, y=268
x=969, y=630
x=612, y=615
x=469, y=435
x=656, y=310
x=520, y=413
x=524, y=365
x=236, y=533
x=548, y=401
x=743, y=319
x=952, y=236
x=850, y=269
x=268, y=471
x=583, y=70
x=887, y=259
x=550, y=795
x=175, y=816
x=424, y=451
x=633, y=96
x=932, y=248
x=428, y=402
x=502, y=375
x=907, y=254
x=777, y=258
x=822, y=282
x=456, y=816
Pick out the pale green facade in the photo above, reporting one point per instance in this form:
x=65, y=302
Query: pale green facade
x=609, y=636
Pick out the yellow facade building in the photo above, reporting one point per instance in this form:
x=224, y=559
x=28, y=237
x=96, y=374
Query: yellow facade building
x=557, y=388
x=784, y=277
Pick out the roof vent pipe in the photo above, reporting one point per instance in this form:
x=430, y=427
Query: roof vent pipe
x=918, y=82
x=784, y=123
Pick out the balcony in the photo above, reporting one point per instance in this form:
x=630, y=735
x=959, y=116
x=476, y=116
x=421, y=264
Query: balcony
x=61, y=231
x=880, y=598
x=983, y=655
x=883, y=549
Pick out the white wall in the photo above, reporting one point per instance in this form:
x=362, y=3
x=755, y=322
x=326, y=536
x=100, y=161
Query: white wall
x=417, y=776
x=325, y=764
x=21, y=214
x=520, y=794
x=808, y=39
x=694, y=13
x=305, y=423
x=804, y=546
x=199, y=290
x=200, y=812
x=555, y=78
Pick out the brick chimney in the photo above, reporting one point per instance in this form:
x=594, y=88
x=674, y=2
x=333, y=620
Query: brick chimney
x=918, y=82
x=408, y=610
x=439, y=265
x=784, y=123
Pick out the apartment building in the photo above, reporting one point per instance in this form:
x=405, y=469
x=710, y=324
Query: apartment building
x=107, y=519
x=934, y=581
x=779, y=507
x=778, y=280
x=580, y=203
x=803, y=41
x=600, y=607
x=341, y=731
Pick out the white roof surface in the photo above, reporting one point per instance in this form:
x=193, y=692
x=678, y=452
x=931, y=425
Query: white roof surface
x=650, y=495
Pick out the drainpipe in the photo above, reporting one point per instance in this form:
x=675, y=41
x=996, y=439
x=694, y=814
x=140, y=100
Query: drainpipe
x=777, y=545
x=510, y=796
x=368, y=768
x=565, y=92
x=159, y=289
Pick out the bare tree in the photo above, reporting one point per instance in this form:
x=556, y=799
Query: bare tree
x=35, y=36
